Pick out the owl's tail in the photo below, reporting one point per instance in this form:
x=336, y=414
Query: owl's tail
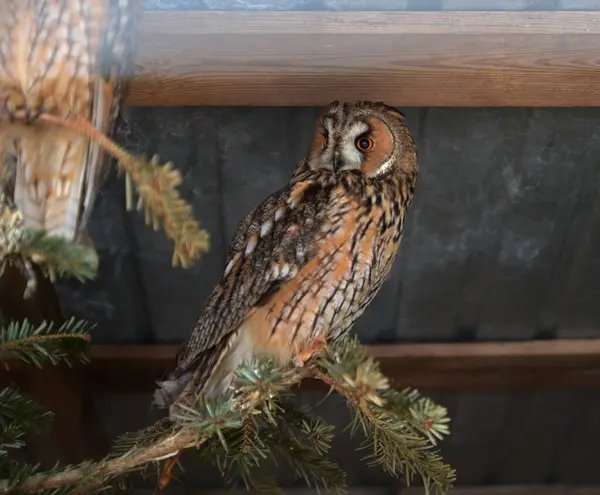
x=213, y=373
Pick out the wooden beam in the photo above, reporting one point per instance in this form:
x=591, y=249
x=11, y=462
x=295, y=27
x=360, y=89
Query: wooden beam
x=403, y=58
x=507, y=365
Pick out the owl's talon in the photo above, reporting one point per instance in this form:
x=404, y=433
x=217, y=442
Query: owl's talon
x=32, y=115
x=167, y=472
x=303, y=356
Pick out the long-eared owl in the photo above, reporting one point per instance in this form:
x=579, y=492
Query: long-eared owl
x=306, y=262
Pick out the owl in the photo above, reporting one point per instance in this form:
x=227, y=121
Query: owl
x=70, y=59
x=307, y=261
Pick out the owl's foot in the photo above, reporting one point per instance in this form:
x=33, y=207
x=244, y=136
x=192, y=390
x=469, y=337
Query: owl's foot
x=314, y=348
x=167, y=472
x=17, y=107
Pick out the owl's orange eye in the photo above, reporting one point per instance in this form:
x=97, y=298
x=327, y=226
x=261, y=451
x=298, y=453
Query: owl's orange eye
x=364, y=144
x=325, y=141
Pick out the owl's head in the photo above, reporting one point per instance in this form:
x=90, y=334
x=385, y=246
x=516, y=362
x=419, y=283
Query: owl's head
x=366, y=137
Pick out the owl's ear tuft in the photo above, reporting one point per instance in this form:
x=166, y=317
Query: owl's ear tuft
x=394, y=112
x=333, y=106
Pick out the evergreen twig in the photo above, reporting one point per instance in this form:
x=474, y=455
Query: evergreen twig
x=54, y=255
x=257, y=422
x=19, y=415
x=35, y=345
x=401, y=428
x=18, y=409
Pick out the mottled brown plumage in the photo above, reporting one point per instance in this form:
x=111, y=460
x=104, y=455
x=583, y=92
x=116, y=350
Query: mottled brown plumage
x=305, y=264
x=67, y=58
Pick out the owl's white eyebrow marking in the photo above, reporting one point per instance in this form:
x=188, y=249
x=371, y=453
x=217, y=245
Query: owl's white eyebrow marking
x=278, y=213
x=357, y=128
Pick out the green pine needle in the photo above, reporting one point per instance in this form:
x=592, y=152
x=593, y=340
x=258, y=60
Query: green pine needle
x=57, y=257
x=402, y=428
x=11, y=437
x=156, y=186
x=19, y=414
x=258, y=426
x=54, y=255
x=36, y=345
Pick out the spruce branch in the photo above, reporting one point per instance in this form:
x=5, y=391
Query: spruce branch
x=58, y=257
x=156, y=186
x=10, y=438
x=401, y=427
x=287, y=435
x=54, y=255
x=18, y=412
x=18, y=415
x=258, y=423
x=35, y=345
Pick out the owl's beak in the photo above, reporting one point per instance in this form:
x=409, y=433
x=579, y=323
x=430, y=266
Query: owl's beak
x=336, y=161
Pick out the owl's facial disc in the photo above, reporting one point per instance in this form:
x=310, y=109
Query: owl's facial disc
x=360, y=142
x=344, y=146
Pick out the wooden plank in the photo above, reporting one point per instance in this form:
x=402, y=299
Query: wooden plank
x=404, y=58
x=510, y=365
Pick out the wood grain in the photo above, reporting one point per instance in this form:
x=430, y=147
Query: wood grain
x=404, y=58
x=566, y=364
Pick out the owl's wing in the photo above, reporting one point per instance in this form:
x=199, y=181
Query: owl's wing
x=269, y=247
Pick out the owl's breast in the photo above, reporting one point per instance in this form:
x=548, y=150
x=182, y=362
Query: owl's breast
x=329, y=293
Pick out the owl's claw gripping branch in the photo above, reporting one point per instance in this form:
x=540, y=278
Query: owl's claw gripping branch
x=167, y=472
x=318, y=345
x=227, y=420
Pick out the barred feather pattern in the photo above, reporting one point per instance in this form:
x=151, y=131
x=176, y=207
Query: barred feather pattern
x=68, y=58
x=303, y=265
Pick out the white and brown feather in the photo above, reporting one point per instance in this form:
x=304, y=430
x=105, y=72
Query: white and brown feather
x=307, y=261
x=69, y=58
